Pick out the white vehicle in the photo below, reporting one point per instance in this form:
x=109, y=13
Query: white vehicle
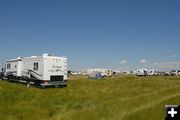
x=104, y=72
x=134, y=72
x=142, y=72
x=45, y=70
x=167, y=74
x=175, y=72
x=75, y=73
x=152, y=72
x=95, y=75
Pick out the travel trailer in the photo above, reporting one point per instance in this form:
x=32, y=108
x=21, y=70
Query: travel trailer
x=142, y=72
x=175, y=72
x=45, y=70
x=95, y=75
x=104, y=72
x=152, y=72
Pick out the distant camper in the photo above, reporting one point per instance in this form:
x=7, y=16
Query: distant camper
x=95, y=75
x=104, y=72
x=175, y=72
x=142, y=72
x=45, y=70
x=152, y=72
x=145, y=72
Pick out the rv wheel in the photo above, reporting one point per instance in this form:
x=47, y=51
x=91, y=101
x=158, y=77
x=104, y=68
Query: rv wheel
x=37, y=83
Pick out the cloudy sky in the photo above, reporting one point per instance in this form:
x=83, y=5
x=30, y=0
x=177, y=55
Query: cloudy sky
x=116, y=34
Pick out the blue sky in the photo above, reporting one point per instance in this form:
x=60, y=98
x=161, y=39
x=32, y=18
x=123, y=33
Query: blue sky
x=116, y=34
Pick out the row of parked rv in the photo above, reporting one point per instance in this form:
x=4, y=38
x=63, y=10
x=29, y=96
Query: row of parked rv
x=155, y=72
x=172, y=73
x=145, y=72
x=109, y=72
x=139, y=72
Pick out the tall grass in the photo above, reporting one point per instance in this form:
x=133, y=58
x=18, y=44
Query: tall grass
x=116, y=98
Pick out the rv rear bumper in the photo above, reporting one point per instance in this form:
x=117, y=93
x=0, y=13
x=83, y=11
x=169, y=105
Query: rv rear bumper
x=54, y=83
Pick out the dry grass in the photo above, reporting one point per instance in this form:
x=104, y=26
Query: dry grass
x=115, y=98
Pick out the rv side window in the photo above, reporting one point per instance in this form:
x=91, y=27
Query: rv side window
x=35, y=66
x=8, y=66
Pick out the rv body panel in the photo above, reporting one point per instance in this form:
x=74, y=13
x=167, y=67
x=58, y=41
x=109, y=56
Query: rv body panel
x=33, y=67
x=54, y=68
x=19, y=68
x=11, y=67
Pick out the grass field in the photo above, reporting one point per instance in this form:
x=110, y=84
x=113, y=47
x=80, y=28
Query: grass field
x=116, y=98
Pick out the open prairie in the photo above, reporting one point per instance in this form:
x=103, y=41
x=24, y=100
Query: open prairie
x=123, y=97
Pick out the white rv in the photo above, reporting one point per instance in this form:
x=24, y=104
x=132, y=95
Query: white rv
x=142, y=72
x=175, y=72
x=152, y=72
x=104, y=72
x=45, y=70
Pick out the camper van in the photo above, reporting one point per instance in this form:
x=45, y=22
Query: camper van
x=45, y=70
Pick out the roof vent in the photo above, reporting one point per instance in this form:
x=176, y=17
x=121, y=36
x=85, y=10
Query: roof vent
x=48, y=54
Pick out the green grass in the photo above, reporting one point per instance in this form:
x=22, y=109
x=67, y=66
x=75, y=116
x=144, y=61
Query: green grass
x=115, y=98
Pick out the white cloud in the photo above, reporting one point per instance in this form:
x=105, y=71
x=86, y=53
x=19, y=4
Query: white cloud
x=169, y=65
x=142, y=61
x=123, y=62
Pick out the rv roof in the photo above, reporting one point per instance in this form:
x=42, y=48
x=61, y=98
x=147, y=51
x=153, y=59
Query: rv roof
x=12, y=60
x=44, y=55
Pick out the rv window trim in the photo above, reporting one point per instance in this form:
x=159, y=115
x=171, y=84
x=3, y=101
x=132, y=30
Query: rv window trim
x=35, y=66
x=8, y=66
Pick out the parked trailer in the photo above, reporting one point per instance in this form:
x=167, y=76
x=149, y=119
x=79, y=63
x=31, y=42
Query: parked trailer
x=152, y=72
x=95, y=75
x=104, y=72
x=142, y=72
x=45, y=70
x=175, y=72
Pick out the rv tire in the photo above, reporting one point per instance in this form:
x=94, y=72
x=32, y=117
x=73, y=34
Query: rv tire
x=37, y=83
